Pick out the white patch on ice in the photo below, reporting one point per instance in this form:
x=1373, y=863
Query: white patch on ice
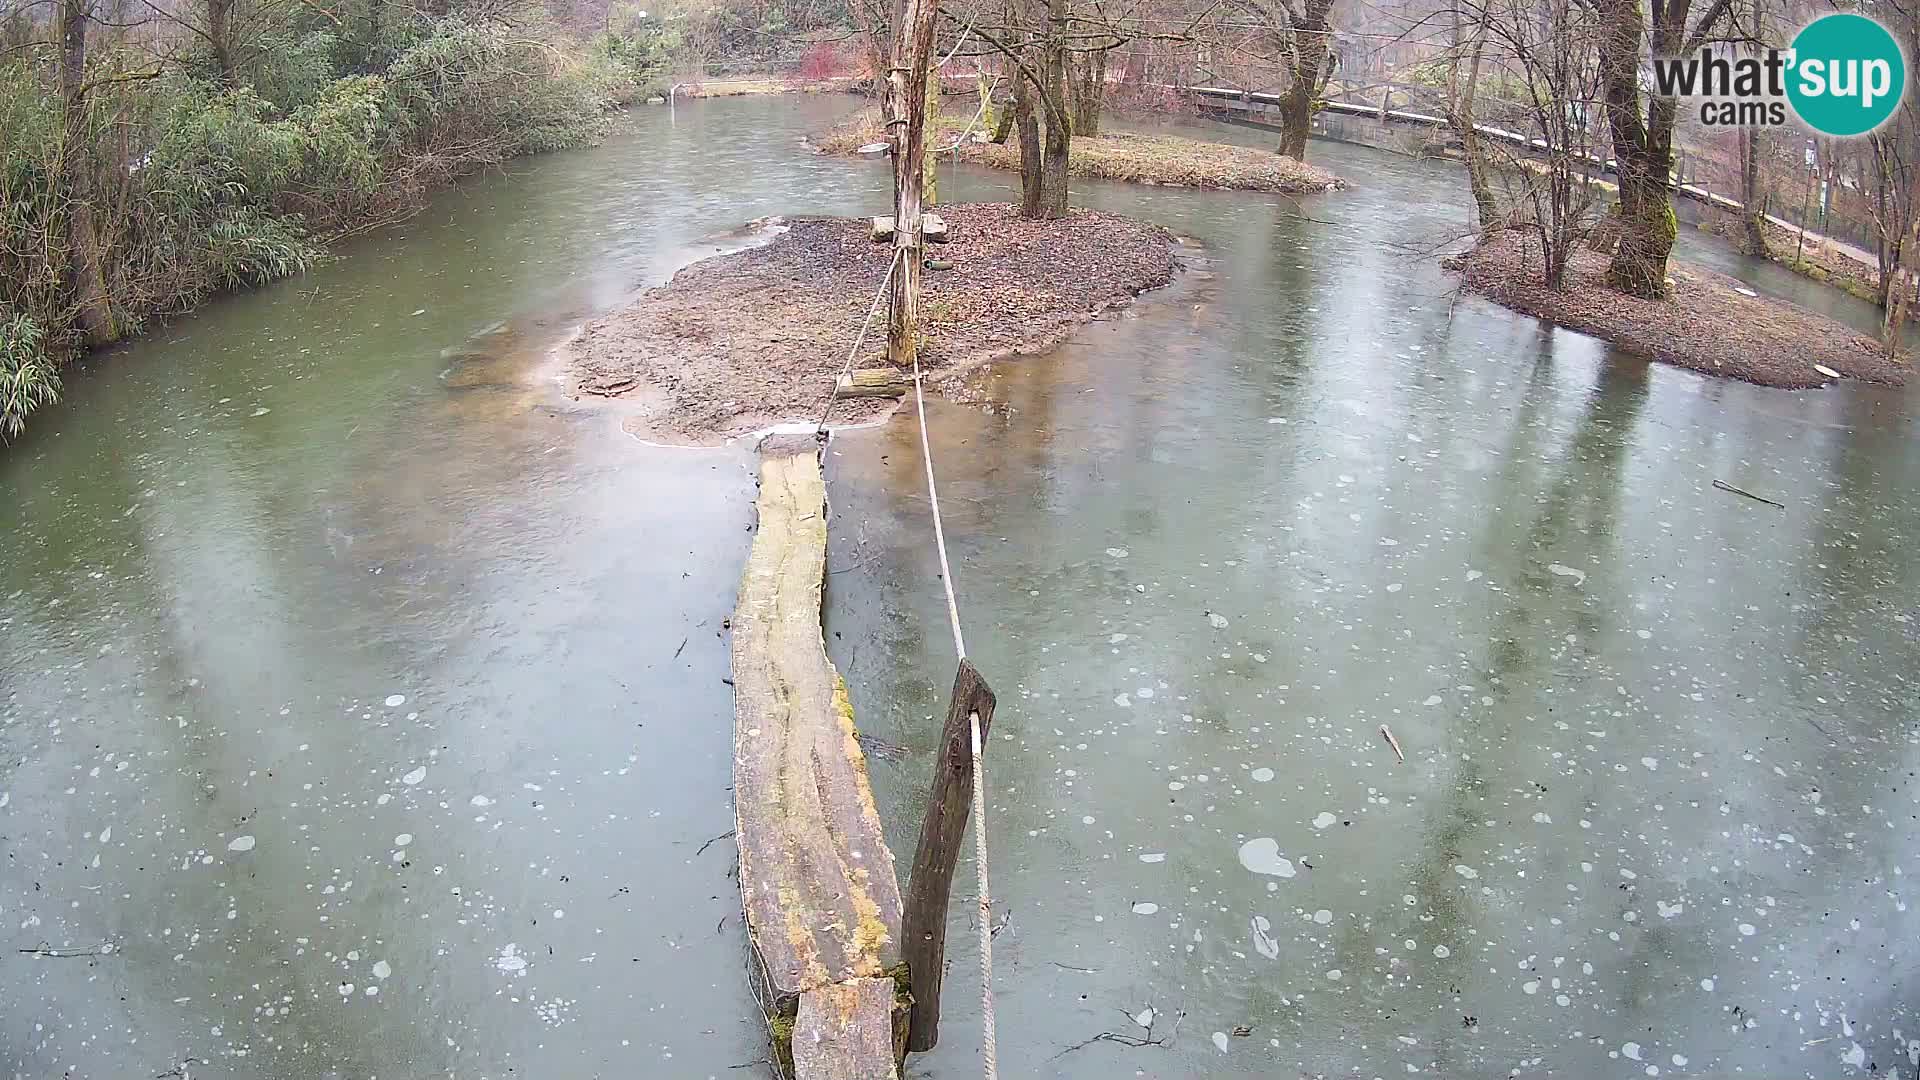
x=1263, y=942
x=1650, y=764
x=1324, y=820
x=1442, y=952
x=1466, y=871
x=1153, y=857
x=240, y=843
x=1262, y=775
x=394, y=701
x=382, y=969
x=1333, y=975
x=1118, y=553
x=510, y=961
x=1216, y=620
x=1855, y=1056
x=1262, y=856
x=1323, y=916
x=1668, y=911
x=1531, y=986
x=480, y=800
x=1747, y=929
x=403, y=839
x=1630, y=1051
x=1707, y=985
x=1220, y=1041
x=415, y=776
x=1579, y=576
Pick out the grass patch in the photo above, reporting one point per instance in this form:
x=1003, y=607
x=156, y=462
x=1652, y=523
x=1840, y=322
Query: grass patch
x=1126, y=156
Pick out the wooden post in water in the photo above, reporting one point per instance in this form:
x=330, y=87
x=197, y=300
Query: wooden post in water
x=923, y=923
x=906, y=115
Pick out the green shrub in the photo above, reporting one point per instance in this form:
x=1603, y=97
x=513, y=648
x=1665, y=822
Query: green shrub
x=28, y=379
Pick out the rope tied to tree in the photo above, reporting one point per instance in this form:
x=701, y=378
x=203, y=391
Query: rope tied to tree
x=833, y=392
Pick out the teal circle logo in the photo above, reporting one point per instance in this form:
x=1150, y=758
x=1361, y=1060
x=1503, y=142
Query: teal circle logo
x=1848, y=75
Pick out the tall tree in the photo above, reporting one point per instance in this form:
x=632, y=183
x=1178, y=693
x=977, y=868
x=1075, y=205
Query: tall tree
x=86, y=269
x=1303, y=34
x=1642, y=130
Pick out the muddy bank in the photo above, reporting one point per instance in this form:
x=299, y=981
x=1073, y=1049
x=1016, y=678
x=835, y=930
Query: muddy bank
x=745, y=340
x=1135, y=158
x=1708, y=324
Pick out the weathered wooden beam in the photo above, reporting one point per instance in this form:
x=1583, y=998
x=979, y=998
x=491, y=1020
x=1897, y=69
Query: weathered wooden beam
x=816, y=878
x=846, y=1030
x=925, y=920
x=873, y=382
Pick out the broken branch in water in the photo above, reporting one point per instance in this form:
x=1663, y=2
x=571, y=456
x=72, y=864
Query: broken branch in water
x=1387, y=734
x=1724, y=486
x=710, y=843
x=44, y=949
x=1148, y=1038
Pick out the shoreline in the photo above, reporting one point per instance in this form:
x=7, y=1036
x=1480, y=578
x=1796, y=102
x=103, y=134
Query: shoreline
x=1120, y=156
x=1710, y=323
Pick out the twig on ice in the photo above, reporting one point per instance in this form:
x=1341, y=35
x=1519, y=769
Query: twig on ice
x=1724, y=486
x=1387, y=734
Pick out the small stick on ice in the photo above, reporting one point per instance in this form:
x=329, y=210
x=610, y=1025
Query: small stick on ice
x=1387, y=734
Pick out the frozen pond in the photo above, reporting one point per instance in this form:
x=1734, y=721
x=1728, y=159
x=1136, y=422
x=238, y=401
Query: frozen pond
x=362, y=713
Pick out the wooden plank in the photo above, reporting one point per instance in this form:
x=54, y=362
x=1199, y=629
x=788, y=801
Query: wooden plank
x=816, y=878
x=941, y=831
x=873, y=382
x=933, y=228
x=845, y=1032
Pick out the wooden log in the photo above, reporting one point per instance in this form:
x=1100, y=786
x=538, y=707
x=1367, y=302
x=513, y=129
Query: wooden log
x=816, y=878
x=846, y=1030
x=924, y=943
x=873, y=382
x=933, y=228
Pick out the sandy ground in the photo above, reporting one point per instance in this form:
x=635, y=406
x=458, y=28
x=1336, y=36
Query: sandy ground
x=1707, y=325
x=742, y=341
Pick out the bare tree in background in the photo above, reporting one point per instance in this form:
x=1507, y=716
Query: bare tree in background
x=1550, y=45
x=1469, y=46
x=1302, y=35
x=1896, y=195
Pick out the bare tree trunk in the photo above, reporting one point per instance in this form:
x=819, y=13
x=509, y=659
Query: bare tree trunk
x=1028, y=126
x=1089, y=83
x=906, y=130
x=1462, y=119
x=220, y=39
x=1753, y=204
x=1643, y=148
x=1311, y=46
x=1054, y=99
x=1898, y=285
x=85, y=270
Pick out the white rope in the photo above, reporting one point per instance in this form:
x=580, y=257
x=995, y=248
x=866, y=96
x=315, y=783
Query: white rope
x=989, y=1052
x=933, y=497
x=833, y=392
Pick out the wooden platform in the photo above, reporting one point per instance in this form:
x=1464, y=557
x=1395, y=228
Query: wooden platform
x=816, y=878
